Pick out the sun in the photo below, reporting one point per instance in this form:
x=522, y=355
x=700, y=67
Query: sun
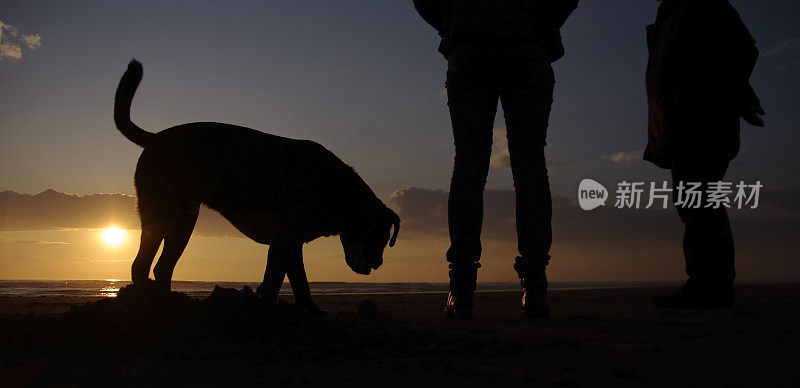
x=113, y=236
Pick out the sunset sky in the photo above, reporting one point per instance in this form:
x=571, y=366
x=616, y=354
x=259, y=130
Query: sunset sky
x=362, y=78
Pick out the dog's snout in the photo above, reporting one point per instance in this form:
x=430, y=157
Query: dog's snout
x=364, y=271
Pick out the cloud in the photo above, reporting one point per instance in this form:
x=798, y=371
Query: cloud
x=425, y=210
x=10, y=51
x=624, y=157
x=502, y=158
x=33, y=241
x=11, y=42
x=32, y=41
x=770, y=230
x=7, y=31
x=790, y=44
x=605, y=243
x=50, y=210
x=787, y=52
x=609, y=243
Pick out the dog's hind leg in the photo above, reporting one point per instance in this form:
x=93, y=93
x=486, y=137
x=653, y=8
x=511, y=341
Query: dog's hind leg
x=152, y=233
x=175, y=240
x=149, y=205
x=148, y=246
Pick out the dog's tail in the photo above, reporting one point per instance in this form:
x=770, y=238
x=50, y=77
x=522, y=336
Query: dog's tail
x=122, y=105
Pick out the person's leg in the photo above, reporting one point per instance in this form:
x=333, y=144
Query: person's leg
x=527, y=96
x=472, y=100
x=708, y=240
x=708, y=246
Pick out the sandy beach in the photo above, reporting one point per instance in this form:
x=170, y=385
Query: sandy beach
x=594, y=338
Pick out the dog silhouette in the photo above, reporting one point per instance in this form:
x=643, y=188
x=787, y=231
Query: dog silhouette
x=277, y=191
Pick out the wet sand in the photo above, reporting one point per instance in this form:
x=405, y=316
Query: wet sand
x=594, y=338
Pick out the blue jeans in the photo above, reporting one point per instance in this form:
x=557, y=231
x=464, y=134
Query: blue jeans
x=521, y=77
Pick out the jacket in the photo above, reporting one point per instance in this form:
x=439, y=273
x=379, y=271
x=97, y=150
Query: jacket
x=701, y=56
x=498, y=22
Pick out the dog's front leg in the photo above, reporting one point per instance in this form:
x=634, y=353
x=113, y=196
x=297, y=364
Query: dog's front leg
x=299, y=282
x=277, y=259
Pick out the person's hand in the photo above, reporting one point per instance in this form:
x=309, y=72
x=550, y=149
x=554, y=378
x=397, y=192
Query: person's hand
x=752, y=115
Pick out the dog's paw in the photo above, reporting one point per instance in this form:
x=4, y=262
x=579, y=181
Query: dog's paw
x=145, y=285
x=144, y=282
x=142, y=288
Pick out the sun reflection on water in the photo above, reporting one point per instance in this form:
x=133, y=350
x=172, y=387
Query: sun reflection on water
x=111, y=289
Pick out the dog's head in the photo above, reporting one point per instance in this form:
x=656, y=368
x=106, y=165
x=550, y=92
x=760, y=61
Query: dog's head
x=364, y=244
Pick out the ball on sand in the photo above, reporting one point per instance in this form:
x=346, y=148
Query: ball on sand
x=367, y=309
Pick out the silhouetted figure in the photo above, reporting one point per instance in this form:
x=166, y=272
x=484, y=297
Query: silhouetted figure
x=277, y=191
x=499, y=49
x=701, y=58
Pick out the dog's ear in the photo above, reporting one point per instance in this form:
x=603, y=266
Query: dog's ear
x=393, y=219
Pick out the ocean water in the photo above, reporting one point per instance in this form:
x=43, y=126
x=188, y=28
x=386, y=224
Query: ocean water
x=110, y=287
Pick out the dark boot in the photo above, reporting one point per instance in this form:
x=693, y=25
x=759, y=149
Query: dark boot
x=696, y=295
x=533, y=280
x=461, y=299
